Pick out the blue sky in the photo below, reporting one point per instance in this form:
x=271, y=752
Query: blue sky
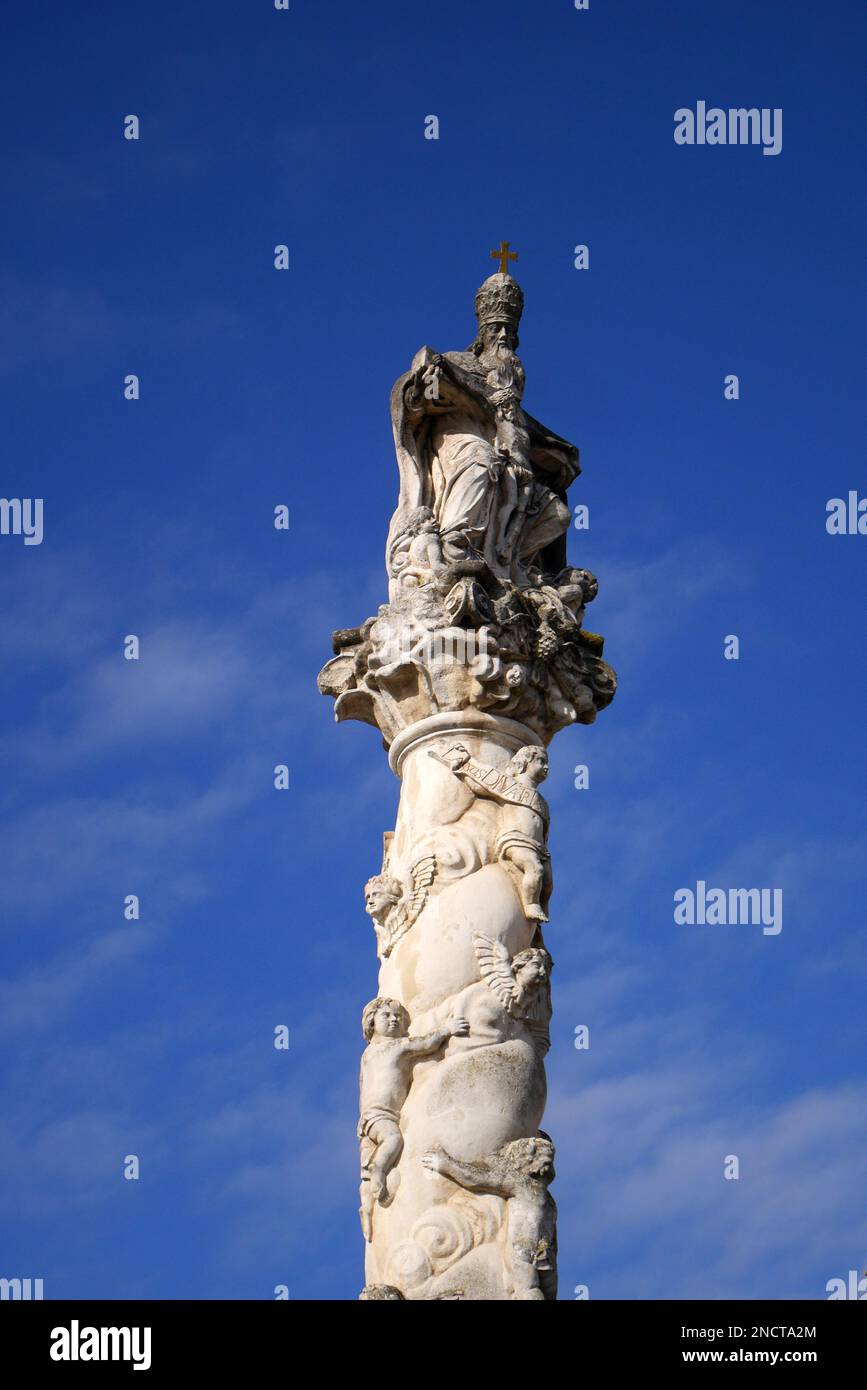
x=259, y=388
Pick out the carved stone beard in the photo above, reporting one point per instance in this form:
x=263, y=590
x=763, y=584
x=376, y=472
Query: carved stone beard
x=525, y=995
x=522, y=996
x=504, y=367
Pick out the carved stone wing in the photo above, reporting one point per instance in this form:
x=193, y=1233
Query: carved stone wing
x=401, y=919
x=495, y=968
x=423, y=874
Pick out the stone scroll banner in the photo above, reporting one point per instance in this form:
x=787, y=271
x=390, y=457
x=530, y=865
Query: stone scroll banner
x=477, y=659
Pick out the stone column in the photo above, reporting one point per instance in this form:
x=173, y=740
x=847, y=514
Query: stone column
x=475, y=662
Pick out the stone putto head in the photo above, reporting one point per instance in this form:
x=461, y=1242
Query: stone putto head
x=381, y=894
x=533, y=966
x=419, y=520
x=532, y=760
x=387, y=1017
x=535, y=1156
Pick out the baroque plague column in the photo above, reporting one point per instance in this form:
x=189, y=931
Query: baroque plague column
x=468, y=671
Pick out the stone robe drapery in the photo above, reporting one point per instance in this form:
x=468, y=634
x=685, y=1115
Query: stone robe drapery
x=448, y=461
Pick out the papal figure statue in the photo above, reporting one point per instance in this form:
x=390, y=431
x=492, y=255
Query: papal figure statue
x=491, y=479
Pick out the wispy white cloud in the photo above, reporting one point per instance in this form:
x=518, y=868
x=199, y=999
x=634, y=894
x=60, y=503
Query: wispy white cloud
x=641, y=1168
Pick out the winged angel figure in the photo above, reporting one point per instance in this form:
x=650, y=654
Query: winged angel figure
x=521, y=984
x=393, y=907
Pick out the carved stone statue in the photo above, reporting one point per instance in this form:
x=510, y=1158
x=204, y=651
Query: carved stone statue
x=416, y=553
x=476, y=553
x=386, y=1074
x=520, y=1173
x=521, y=983
x=524, y=817
x=477, y=659
x=493, y=477
x=391, y=907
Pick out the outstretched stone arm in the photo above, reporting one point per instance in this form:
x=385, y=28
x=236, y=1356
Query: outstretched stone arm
x=432, y=1042
x=482, y=1175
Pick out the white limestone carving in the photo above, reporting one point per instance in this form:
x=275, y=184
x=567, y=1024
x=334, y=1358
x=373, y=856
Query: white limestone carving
x=520, y=1173
x=468, y=671
x=386, y=1074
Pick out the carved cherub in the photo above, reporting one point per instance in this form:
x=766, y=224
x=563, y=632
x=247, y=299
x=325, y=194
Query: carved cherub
x=416, y=556
x=391, y=909
x=386, y=1076
x=382, y=894
x=512, y=998
x=521, y=983
x=425, y=549
x=576, y=588
x=560, y=602
x=524, y=817
x=520, y=1172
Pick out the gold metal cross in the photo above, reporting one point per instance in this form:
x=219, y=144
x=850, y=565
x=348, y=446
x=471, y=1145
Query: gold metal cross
x=504, y=255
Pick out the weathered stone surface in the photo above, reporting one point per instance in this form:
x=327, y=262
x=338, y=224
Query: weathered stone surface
x=477, y=659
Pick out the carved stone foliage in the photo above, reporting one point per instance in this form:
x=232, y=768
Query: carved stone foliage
x=459, y=642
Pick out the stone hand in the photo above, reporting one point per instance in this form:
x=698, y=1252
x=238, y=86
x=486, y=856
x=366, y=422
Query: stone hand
x=459, y=1027
x=429, y=371
x=434, y=1159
